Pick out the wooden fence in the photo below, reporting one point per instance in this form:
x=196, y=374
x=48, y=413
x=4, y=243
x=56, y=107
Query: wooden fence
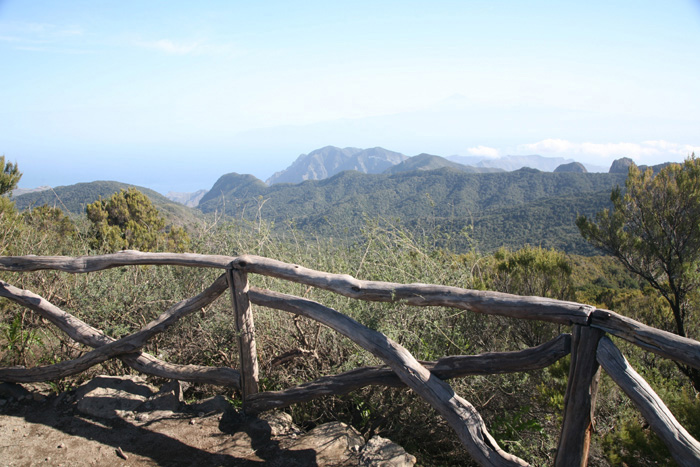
x=589, y=347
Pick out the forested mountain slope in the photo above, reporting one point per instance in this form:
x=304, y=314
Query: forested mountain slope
x=430, y=162
x=528, y=205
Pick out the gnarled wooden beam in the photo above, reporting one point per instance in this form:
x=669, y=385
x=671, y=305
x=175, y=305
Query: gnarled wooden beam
x=579, y=401
x=245, y=328
x=660, y=342
x=534, y=358
x=99, y=262
x=684, y=448
x=495, y=303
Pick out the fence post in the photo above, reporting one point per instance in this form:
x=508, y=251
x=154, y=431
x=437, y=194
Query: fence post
x=245, y=329
x=579, y=402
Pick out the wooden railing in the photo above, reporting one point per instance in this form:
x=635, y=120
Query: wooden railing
x=587, y=343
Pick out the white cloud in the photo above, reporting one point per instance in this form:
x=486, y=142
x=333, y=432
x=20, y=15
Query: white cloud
x=198, y=47
x=40, y=32
x=674, y=148
x=644, y=152
x=42, y=37
x=170, y=47
x=547, y=145
x=483, y=151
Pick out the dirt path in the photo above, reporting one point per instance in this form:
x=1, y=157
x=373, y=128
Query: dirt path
x=38, y=429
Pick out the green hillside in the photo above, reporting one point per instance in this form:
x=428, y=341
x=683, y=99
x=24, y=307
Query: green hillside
x=74, y=198
x=547, y=222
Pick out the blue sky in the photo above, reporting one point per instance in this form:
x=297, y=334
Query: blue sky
x=171, y=95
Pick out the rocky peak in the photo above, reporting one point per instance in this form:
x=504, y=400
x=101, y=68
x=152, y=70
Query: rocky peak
x=621, y=166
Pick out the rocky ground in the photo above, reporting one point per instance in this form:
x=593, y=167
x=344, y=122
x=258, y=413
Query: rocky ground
x=123, y=421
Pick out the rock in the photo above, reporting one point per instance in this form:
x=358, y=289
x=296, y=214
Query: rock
x=264, y=425
x=216, y=404
x=175, y=388
x=280, y=423
x=169, y=398
x=573, y=167
x=112, y=396
x=382, y=452
x=621, y=166
x=334, y=443
x=13, y=391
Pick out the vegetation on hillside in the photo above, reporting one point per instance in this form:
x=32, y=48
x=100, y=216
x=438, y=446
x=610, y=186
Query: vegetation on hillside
x=74, y=198
x=128, y=220
x=522, y=410
x=505, y=209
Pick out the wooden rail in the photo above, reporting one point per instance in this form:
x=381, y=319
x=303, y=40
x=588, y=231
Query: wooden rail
x=589, y=347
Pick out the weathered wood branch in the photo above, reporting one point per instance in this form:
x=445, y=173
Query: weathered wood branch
x=580, y=397
x=666, y=344
x=245, y=328
x=460, y=414
x=148, y=364
x=76, y=329
x=85, y=334
x=479, y=301
x=416, y=294
x=106, y=347
x=684, y=448
x=112, y=260
x=534, y=358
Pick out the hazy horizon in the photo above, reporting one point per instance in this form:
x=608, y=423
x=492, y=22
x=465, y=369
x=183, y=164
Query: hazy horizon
x=172, y=95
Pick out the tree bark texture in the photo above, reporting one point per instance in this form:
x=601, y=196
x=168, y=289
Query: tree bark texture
x=664, y=343
x=579, y=401
x=245, y=329
x=99, y=262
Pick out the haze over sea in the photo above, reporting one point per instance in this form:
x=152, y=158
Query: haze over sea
x=171, y=95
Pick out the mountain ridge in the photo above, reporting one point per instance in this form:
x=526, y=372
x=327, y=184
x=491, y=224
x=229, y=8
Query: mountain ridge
x=513, y=162
x=330, y=160
x=431, y=162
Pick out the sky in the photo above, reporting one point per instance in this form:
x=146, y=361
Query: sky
x=171, y=95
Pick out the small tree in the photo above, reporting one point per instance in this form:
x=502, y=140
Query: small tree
x=654, y=230
x=50, y=231
x=128, y=220
x=9, y=177
x=49, y=219
x=533, y=271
